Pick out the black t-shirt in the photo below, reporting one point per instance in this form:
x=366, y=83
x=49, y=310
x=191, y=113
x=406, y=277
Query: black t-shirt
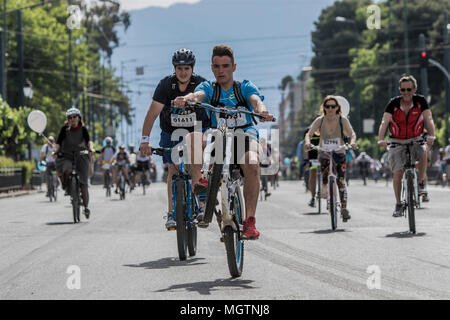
x=418, y=100
x=62, y=135
x=174, y=118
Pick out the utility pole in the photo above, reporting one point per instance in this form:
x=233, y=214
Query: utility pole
x=21, y=80
x=390, y=87
x=70, y=66
x=405, y=34
x=4, y=36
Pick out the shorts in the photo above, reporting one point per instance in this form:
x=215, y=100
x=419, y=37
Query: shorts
x=82, y=166
x=120, y=166
x=167, y=142
x=397, y=154
x=142, y=165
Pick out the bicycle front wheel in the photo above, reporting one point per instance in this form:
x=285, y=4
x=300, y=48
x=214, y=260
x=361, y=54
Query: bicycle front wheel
x=411, y=204
x=333, y=209
x=180, y=213
x=234, y=245
x=74, y=188
x=213, y=188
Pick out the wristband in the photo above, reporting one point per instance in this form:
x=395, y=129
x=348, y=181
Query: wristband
x=381, y=141
x=145, y=139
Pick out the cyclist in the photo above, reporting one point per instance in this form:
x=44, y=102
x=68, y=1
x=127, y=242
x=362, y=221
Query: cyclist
x=364, y=161
x=405, y=116
x=225, y=91
x=74, y=137
x=133, y=165
x=47, y=155
x=171, y=120
x=121, y=161
x=333, y=127
x=312, y=155
x=143, y=163
x=106, y=157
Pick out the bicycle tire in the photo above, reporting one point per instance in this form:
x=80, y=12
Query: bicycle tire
x=108, y=184
x=122, y=187
x=213, y=189
x=333, y=212
x=143, y=181
x=319, y=191
x=411, y=204
x=75, y=200
x=192, y=232
x=180, y=213
x=234, y=245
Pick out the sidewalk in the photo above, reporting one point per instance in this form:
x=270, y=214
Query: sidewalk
x=19, y=193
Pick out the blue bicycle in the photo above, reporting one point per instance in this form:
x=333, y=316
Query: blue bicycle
x=185, y=205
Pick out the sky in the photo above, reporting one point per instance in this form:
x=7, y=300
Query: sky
x=129, y=5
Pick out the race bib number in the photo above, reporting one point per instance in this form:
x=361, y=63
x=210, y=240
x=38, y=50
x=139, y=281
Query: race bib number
x=183, y=120
x=236, y=120
x=331, y=144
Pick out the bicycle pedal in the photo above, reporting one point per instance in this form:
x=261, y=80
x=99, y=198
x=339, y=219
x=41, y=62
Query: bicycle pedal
x=171, y=228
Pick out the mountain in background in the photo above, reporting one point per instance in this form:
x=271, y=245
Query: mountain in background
x=270, y=38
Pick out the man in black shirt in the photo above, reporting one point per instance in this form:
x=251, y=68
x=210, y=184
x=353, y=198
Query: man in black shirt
x=172, y=119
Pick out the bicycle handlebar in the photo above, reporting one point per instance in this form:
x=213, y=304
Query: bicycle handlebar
x=225, y=110
x=342, y=147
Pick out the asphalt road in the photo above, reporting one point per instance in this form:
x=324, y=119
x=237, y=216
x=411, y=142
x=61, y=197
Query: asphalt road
x=124, y=251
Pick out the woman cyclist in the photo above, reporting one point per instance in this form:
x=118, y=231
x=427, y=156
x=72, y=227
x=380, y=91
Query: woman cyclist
x=333, y=127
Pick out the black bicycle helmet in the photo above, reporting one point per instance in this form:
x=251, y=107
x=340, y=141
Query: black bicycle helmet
x=183, y=57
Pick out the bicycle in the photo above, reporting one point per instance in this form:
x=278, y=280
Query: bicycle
x=409, y=193
x=51, y=179
x=334, y=206
x=225, y=175
x=315, y=164
x=144, y=180
x=75, y=188
x=122, y=183
x=185, y=205
x=108, y=178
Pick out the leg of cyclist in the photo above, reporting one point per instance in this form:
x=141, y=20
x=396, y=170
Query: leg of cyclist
x=125, y=174
x=312, y=185
x=172, y=169
x=422, y=167
x=249, y=163
x=341, y=169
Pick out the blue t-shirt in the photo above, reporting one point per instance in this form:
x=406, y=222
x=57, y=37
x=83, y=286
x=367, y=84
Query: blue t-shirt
x=228, y=99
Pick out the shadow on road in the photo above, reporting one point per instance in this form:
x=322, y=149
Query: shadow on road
x=205, y=287
x=327, y=231
x=58, y=223
x=405, y=234
x=166, y=263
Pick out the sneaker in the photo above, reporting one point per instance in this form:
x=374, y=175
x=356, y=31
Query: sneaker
x=267, y=194
x=312, y=203
x=422, y=189
x=425, y=198
x=171, y=224
x=87, y=213
x=200, y=216
x=345, y=215
x=398, y=212
x=250, y=232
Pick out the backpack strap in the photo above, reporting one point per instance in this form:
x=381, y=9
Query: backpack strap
x=240, y=98
x=216, y=94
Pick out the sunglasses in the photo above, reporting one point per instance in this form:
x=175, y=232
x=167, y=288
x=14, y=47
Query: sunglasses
x=72, y=117
x=330, y=106
x=406, y=89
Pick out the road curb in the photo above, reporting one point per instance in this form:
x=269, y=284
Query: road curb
x=18, y=193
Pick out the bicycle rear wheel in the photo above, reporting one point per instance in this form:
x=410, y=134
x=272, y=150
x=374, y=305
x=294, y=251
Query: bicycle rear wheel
x=213, y=188
x=180, y=213
x=234, y=245
x=411, y=204
x=333, y=209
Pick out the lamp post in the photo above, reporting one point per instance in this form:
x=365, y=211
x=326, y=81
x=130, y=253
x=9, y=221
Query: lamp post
x=359, y=120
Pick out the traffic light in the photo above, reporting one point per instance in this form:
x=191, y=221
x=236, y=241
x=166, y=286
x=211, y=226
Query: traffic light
x=423, y=59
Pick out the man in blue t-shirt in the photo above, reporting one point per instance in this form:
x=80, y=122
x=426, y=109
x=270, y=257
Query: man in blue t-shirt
x=223, y=67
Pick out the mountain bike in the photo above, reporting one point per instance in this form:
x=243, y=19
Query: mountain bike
x=222, y=173
x=409, y=194
x=185, y=205
x=334, y=206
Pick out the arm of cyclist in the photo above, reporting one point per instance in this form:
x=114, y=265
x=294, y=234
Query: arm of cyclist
x=314, y=128
x=428, y=117
x=349, y=132
x=197, y=96
x=382, y=130
x=152, y=113
x=260, y=107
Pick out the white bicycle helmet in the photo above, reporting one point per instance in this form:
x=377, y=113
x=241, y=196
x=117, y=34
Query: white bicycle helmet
x=73, y=111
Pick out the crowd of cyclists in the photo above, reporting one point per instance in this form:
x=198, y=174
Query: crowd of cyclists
x=406, y=117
